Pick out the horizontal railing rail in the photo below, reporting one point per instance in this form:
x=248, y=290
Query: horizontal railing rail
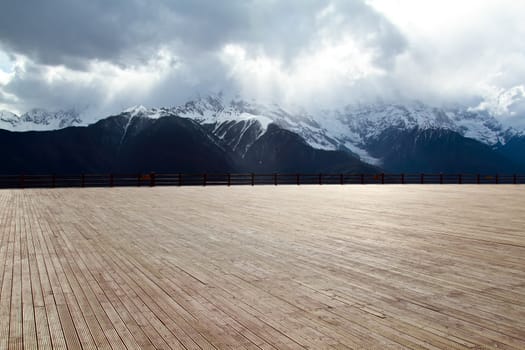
x=248, y=179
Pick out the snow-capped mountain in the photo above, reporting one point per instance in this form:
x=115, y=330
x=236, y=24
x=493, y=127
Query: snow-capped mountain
x=371, y=120
x=237, y=127
x=353, y=127
x=237, y=124
x=39, y=120
x=329, y=129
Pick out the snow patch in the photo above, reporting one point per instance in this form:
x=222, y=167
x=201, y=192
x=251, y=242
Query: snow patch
x=363, y=154
x=136, y=110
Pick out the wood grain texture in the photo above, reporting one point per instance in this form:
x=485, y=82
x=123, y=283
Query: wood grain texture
x=319, y=267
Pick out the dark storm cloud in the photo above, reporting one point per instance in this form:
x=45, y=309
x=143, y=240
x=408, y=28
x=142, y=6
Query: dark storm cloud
x=71, y=32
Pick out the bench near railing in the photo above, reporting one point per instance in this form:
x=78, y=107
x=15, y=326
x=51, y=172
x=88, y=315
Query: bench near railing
x=250, y=179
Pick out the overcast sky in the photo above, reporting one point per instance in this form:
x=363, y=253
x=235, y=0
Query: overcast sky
x=104, y=56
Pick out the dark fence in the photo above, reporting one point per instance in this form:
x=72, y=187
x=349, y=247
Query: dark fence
x=152, y=179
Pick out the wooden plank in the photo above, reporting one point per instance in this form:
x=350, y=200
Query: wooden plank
x=16, y=316
x=8, y=233
x=29, y=339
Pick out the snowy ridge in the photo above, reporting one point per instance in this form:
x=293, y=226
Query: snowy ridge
x=39, y=120
x=361, y=123
x=213, y=110
x=8, y=120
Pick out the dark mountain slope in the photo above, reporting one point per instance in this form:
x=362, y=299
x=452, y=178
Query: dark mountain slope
x=515, y=149
x=170, y=144
x=111, y=145
x=437, y=150
x=72, y=150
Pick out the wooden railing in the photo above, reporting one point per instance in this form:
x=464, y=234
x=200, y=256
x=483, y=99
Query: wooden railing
x=249, y=179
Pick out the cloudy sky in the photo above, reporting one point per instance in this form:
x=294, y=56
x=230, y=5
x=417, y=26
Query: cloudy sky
x=104, y=56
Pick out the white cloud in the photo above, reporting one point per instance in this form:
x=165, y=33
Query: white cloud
x=5, y=77
x=508, y=104
x=102, y=87
x=6, y=69
x=458, y=48
x=310, y=77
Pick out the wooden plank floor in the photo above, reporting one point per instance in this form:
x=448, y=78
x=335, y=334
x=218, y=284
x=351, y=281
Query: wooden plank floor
x=319, y=267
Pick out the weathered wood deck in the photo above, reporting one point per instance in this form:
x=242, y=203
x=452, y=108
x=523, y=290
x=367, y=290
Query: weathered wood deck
x=263, y=268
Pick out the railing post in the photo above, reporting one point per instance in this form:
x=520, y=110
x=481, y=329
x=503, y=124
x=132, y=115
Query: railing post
x=382, y=178
x=82, y=181
x=253, y=179
x=152, y=179
x=180, y=180
x=342, y=179
x=297, y=179
x=478, y=179
x=111, y=180
x=514, y=179
x=53, y=181
x=275, y=179
x=21, y=181
x=460, y=179
x=362, y=179
x=402, y=179
x=441, y=178
x=229, y=179
x=497, y=179
x=422, y=179
x=204, y=179
x=320, y=179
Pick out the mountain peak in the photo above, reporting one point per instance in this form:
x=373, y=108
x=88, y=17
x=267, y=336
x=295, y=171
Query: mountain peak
x=135, y=110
